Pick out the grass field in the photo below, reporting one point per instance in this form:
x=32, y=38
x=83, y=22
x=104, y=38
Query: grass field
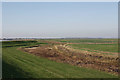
x=107, y=45
x=86, y=40
x=100, y=47
x=19, y=64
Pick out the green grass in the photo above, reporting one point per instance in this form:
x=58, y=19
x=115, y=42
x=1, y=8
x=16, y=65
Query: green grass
x=20, y=43
x=99, y=47
x=86, y=40
x=18, y=64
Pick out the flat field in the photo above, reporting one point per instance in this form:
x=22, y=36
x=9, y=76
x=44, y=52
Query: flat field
x=60, y=58
x=92, y=45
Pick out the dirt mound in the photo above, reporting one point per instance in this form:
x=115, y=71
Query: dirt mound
x=61, y=54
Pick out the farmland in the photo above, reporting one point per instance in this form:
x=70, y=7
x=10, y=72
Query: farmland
x=60, y=58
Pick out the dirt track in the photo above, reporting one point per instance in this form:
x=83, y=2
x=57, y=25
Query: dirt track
x=62, y=53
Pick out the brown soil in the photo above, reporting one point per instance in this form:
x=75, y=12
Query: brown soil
x=62, y=53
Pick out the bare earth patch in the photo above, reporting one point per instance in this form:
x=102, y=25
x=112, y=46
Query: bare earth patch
x=65, y=54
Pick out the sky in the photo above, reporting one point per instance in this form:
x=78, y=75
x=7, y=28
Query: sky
x=60, y=19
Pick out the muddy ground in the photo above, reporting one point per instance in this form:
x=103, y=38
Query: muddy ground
x=64, y=54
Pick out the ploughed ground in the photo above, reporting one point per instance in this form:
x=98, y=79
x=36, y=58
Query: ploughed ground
x=65, y=54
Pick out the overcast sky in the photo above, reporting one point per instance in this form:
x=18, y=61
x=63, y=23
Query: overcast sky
x=60, y=19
